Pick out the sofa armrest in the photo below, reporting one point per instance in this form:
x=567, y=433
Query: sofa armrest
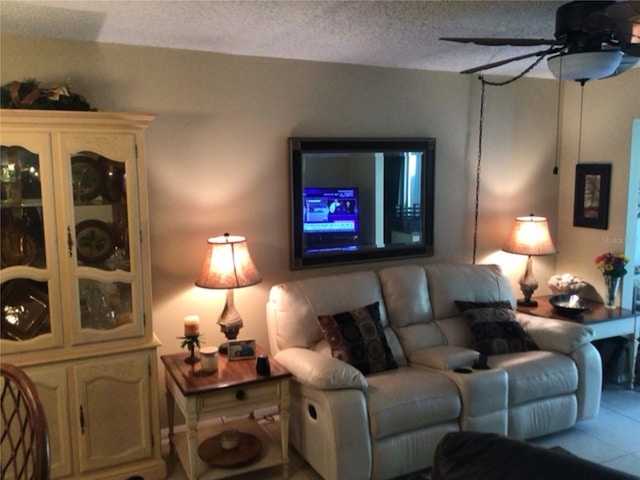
x=563, y=336
x=319, y=370
x=589, y=392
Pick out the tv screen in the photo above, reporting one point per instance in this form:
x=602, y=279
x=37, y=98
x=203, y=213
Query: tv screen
x=330, y=210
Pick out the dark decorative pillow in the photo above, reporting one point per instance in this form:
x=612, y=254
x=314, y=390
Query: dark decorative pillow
x=496, y=331
x=357, y=337
x=464, y=305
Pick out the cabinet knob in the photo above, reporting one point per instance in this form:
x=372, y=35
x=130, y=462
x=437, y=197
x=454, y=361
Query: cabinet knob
x=240, y=394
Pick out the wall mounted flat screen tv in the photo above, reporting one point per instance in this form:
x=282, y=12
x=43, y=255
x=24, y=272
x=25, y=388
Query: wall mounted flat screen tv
x=356, y=200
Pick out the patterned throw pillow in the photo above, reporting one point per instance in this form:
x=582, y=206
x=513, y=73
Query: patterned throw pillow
x=357, y=337
x=464, y=305
x=496, y=331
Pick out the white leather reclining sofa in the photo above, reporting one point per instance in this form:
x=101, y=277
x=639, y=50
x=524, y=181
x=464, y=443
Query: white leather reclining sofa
x=350, y=426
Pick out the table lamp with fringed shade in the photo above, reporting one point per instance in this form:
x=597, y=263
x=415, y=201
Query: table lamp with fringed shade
x=228, y=265
x=530, y=236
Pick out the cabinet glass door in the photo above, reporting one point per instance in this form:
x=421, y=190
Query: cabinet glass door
x=27, y=292
x=102, y=247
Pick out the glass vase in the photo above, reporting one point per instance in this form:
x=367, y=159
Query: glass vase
x=611, y=285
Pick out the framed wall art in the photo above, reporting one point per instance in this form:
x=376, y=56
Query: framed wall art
x=591, y=201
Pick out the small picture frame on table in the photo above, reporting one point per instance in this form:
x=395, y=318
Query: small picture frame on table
x=591, y=201
x=241, y=349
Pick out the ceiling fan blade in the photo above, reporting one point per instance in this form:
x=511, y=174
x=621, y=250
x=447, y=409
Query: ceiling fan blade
x=488, y=66
x=631, y=49
x=599, y=22
x=500, y=42
x=623, y=22
x=624, y=11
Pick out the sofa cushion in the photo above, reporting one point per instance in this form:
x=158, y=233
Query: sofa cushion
x=475, y=283
x=356, y=337
x=408, y=399
x=406, y=296
x=537, y=374
x=496, y=331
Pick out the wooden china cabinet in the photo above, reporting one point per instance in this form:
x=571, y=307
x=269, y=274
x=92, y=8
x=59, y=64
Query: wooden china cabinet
x=75, y=280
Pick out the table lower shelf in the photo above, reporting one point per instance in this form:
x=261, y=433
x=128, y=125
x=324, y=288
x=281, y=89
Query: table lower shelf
x=270, y=456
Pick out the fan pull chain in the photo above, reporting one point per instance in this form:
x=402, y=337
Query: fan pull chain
x=555, y=167
x=580, y=125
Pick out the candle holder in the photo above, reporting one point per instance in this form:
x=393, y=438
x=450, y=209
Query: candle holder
x=191, y=341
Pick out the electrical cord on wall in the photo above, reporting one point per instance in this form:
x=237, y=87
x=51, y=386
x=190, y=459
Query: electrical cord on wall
x=480, y=129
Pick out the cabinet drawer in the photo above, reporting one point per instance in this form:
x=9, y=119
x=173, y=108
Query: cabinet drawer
x=237, y=396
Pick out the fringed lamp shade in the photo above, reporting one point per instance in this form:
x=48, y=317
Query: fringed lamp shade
x=228, y=265
x=530, y=236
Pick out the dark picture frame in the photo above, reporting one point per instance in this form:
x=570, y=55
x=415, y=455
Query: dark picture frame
x=591, y=201
x=390, y=222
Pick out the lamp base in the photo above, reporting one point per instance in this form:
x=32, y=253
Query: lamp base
x=230, y=322
x=527, y=303
x=528, y=285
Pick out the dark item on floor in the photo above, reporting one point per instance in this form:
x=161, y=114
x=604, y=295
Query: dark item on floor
x=489, y=456
x=615, y=359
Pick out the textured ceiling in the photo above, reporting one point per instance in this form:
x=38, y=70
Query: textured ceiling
x=400, y=34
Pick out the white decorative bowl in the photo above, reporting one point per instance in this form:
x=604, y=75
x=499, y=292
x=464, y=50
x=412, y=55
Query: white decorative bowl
x=566, y=284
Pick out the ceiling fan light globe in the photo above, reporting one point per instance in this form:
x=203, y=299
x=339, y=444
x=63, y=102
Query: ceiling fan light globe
x=585, y=65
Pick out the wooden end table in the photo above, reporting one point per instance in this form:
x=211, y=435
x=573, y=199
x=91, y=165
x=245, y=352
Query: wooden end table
x=235, y=389
x=605, y=323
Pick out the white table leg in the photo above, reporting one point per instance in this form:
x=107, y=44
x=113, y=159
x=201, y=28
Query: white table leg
x=192, y=446
x=171, y=417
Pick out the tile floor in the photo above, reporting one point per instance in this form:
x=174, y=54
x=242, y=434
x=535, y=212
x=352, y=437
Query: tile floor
x=612, y=439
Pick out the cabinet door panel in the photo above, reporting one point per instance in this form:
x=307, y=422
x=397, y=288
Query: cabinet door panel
x=101, y=213
x=30, y=296
x=51, y=383
x=113, y=399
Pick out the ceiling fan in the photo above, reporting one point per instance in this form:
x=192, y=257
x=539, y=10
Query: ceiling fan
x=593, y=39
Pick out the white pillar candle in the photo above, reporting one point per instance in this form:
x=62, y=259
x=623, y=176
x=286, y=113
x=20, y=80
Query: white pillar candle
x=209, y=358
x=191, y=325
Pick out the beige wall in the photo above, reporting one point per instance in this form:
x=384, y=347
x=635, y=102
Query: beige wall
x=217, y=153
x=608, y=112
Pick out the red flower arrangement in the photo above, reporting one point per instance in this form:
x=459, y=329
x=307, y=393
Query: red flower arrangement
x=612, y=265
